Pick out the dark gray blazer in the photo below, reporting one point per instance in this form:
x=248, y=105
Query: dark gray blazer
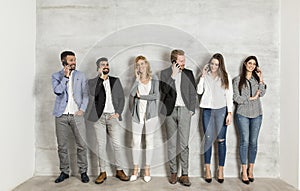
x=152, y=101
x=168, y=92
x=98, y=96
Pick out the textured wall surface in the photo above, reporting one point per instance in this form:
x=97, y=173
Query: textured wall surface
x=121, y=30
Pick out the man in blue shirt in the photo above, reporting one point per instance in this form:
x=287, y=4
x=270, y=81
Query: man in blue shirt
x=70, y=88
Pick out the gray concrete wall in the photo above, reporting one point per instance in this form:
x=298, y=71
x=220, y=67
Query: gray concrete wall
x=122, y=30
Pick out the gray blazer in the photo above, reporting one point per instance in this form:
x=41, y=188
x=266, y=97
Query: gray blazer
x=168, y=91
x=97, y=97
x=152, y=101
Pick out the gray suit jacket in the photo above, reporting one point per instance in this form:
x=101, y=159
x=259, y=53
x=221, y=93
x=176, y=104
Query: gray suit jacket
x=98, y=96
x=169, y=94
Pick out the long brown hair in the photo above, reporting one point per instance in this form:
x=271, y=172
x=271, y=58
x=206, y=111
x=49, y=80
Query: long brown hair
x=242, y=82
x=221, y=70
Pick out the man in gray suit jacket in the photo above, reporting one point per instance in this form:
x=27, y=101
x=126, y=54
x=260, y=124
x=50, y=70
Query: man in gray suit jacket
x=105, y=108
x=178, y=95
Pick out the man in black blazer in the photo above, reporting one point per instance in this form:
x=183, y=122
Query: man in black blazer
x=105, y=109
x=178, y=95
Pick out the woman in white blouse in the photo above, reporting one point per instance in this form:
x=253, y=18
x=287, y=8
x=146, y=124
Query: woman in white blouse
x=144, y=96
x=217, y=103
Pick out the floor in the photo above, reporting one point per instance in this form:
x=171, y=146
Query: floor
x=46, y=183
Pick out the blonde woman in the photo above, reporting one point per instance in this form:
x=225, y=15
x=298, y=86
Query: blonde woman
x=144, y=96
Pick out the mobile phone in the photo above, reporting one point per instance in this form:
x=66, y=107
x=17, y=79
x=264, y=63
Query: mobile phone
x=176, y=64
x=64, y=63
x=207, y=67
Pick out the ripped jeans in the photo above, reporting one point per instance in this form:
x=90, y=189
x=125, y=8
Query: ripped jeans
x=215, y=130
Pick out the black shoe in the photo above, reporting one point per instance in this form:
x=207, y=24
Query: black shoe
x=250, y=179
x=244, y=181
x=84, y=178
x=220, y=180
x=208, y=180
x=61, y=177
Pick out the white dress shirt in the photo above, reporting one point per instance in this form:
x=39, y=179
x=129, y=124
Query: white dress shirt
x=72, y=107
x=179, y=100
x=109, y=107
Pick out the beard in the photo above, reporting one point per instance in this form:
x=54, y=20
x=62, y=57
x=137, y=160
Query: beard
x=72, y=66
x=105, y=71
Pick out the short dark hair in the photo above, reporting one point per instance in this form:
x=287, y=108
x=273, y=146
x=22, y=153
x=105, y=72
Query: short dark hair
x=64, y=54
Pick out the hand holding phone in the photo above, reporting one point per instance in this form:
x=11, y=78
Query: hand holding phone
x=175, y=68
x=101, y=75
x=137, y=73
x=67, y=69
x=205, y=70
x=259, y=73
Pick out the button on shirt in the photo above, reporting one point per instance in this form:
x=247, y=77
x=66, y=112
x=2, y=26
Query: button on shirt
x=215, y=96
x=179, y=100
x=72, y=107
x=109, y=107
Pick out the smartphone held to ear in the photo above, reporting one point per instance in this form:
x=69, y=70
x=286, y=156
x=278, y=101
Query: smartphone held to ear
x=176, y=64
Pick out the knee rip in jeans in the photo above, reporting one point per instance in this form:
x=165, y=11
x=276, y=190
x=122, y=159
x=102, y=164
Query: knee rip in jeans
x=221, y=140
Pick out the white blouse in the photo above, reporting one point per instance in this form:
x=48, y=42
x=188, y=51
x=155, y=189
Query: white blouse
x=214, y=95
x=143, y=89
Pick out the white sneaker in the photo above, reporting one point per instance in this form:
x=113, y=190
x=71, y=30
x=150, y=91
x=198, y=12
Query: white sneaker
x=147, y=178
x=133, y=178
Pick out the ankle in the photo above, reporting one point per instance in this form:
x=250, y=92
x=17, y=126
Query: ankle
x=135, y=170
x=220, y=173
x=147, y=170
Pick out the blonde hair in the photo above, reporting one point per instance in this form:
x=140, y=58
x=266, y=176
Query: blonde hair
x=148, y=70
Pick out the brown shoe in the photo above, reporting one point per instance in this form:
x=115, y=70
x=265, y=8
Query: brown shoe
x=101, y=178
x=173, y=178
x=184, y=180
x=121, y=175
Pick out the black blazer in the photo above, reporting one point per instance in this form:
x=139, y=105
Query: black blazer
x=98, y=97
x=169, y=94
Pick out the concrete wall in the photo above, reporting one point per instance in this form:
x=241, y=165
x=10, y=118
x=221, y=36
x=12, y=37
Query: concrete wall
x=121, y=30
x=17, y=48
x=289, y=108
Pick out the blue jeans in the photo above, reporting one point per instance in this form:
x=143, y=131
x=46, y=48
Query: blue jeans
x=214, y=129
x=248, y=130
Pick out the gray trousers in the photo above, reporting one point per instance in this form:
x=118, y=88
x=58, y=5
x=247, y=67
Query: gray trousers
x=178, y=132
x=111, y=127
x=65, y=126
